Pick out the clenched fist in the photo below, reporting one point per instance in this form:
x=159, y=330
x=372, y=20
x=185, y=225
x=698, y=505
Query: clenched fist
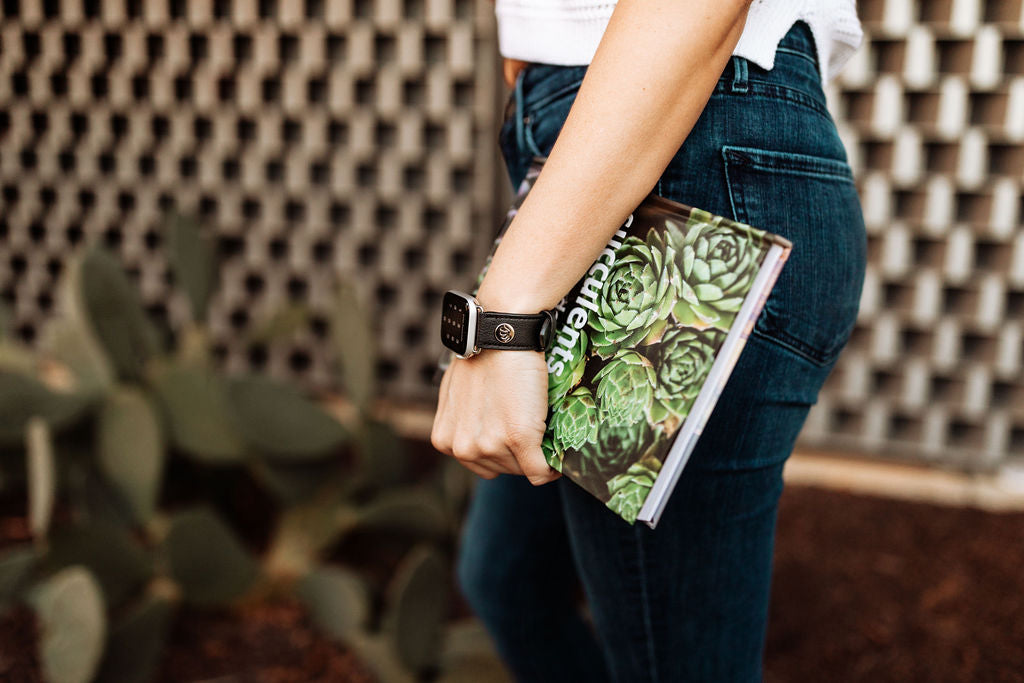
x=491, y=413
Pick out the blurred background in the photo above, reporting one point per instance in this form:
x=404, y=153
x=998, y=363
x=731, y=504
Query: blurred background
x=225, y=228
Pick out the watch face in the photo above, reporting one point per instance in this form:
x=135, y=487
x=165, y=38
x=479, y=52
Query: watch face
x=457, y=322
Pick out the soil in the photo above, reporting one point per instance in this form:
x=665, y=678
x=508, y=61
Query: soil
x=865, y=589
x=268, y=643
x=18, y=634
x=869, y=589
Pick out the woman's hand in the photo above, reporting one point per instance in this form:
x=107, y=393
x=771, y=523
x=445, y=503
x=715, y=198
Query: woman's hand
x=491, y=414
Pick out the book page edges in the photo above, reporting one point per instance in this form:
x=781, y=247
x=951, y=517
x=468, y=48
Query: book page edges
x=686, y=439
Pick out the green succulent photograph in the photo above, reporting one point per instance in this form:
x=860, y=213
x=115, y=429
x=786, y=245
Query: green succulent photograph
x=559, y=383
x=574, y=421
x=718, y=265
x=625, y=387
x=621, y=385
x=629, y=490
x=626, y=382
x=637, y=296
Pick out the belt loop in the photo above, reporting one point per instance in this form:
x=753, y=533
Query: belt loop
x=739, y=74
x=520, y=135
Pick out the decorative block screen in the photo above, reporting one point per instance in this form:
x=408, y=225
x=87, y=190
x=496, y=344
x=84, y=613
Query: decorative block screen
x=317, y=138
x=932, y=111
x=357, y=138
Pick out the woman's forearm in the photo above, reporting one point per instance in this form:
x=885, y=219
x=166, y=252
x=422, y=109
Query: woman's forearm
x=654, y=70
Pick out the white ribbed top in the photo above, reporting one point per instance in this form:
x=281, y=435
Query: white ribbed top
x=568, y=31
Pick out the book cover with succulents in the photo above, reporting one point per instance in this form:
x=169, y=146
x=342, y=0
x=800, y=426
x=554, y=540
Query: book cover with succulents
x=645, y=342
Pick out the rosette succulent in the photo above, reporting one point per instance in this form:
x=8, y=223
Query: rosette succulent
x=629, y=490
x=637, y=296
x=574, y=421
x=553, y=456
x=615, y=447
x=625, y=388
x=682, y=362
x=571, y=372
x=718, y=266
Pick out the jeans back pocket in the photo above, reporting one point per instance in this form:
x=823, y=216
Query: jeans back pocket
x=811, y=201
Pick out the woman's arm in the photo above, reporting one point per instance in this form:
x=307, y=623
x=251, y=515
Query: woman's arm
x=651, y=75
x=645, y=88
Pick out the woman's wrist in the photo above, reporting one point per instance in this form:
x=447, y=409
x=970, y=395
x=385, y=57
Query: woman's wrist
x=515, y=297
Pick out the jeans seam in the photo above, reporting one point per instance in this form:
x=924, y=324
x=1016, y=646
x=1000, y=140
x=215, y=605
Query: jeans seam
x=803, y=165
x=797, y=53
x=792, y=345
x=550, y=98
x=823, y=175
x=528, y=141
x=648, y=626
x=788, y=94
x=774, y=91
x=804, y=173
x=735, y=467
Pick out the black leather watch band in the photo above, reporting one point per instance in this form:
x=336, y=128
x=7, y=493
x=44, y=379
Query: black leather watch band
x=515, y=331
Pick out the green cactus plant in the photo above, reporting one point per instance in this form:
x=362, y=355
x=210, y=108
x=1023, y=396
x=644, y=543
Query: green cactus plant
x=636, y=296
x=73, y=621
x=717, y=267
x=682, y=362
x=629, y=490
x=417, y=603
x=571, y=372
x=625, y=388
x=614, y=445
x=107, y=405
x=574, y=421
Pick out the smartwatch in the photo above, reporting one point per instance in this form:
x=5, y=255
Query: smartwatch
x=466, y=328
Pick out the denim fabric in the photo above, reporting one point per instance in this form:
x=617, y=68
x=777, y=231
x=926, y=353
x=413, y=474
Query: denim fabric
x=687, y=601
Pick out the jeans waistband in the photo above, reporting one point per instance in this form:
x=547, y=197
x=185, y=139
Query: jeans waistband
x=540, y=80
x=799, y=39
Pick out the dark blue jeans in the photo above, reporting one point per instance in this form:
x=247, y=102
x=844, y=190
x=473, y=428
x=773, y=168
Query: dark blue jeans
x=687, y=601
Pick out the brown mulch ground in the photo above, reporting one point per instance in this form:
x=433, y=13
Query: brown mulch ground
x=269, y=643
x=18, y=660
x=258, y=644
x=866, y=589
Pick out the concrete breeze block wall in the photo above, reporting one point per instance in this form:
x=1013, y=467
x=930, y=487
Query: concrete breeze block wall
x=357, y=138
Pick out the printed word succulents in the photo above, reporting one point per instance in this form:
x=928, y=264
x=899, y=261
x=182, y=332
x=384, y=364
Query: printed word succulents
x=665, y=305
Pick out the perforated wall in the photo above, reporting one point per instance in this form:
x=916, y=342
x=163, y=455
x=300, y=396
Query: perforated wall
x=317, y=138
x=932, y=111
x=320, y=138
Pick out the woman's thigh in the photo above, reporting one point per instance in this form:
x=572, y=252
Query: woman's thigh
x=688, y=600
x=514, y=558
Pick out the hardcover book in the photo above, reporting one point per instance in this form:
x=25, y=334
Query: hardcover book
x=644, y=344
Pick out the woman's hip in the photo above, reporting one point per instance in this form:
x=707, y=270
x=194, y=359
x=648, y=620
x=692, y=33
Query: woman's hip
x=765, y=151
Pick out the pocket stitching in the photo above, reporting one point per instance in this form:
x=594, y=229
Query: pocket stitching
x=744, y=157
x=789, y=343
x=794, y=164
